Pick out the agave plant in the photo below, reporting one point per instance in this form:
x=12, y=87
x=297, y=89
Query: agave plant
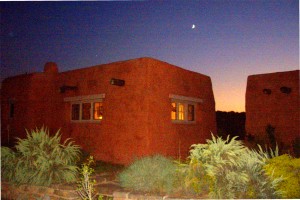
x=43, y=160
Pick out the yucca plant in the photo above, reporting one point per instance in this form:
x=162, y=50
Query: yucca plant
x=43, y=160
x=234, y=170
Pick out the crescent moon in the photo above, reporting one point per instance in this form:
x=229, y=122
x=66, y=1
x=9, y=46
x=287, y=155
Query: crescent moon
x=193, y=26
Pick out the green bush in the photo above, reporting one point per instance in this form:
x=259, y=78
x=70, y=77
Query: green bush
x=193, y=178
x=234, y=171
x=41, y=159
x=288, y=168
x=154, y=174
x=8, y=159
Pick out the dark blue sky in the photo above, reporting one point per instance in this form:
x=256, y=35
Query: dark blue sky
x=231, y=39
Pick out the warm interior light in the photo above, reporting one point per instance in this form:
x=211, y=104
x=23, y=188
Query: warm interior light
x=98, y=111
x=180, y=111
x=173, y=112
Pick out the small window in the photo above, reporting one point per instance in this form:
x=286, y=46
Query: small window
x=75, y=111
x=86, y=108
x=191, y=112
x=98, y=111
x=183, y=108
x=182, y=112
x=173, y=112
x=86, y=111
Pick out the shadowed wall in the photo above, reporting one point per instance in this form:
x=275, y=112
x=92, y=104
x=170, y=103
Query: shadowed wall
x=273, y=99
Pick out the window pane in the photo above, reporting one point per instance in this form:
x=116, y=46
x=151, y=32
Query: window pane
x=98, y=111
x=173, y=112
x=75, y=111
x=191, y=113
x=180, y=111
x=86, y=111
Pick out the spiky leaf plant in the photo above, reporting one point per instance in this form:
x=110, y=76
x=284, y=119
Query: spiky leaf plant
x=234, y=170
x=43, y=160
x=154, y=174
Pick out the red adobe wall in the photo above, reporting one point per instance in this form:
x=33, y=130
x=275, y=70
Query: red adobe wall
x=136, y=116
x=171, y=138
x=35, y=100
x=15, y=90
x=278, y=109
x=122, y=133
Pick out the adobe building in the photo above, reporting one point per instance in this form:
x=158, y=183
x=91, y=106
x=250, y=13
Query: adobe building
x=117, y=112
x=273, y=99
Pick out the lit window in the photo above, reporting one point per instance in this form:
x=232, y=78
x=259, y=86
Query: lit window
x=173, y=112
x=183, y=108
x=181, y=111
x=86, y=108
x=98, y=111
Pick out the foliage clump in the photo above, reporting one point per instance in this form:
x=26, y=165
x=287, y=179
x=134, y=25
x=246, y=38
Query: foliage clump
x=289, y=168
x=8, y=158
x=220, y=168
x=193, y=178
x=154, y=174
x=40, y=159
x=234, y=171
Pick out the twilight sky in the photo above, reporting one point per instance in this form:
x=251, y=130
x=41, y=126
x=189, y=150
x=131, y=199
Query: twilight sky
x=231, y=39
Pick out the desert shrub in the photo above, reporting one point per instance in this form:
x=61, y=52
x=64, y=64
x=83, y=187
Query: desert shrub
x=42, y=160
x=289, y=168
x=234, y=171
x=192, y=178
x=8, y=159
x=154, y=174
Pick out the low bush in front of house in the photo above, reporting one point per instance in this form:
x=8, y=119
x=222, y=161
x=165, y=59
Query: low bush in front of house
x=220, y=169
x=288, y=168
x=155, y=174
x=40, y=159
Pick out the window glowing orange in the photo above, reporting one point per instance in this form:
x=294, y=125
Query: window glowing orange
x=98, y=111
x=173, y=112
x=180, y=111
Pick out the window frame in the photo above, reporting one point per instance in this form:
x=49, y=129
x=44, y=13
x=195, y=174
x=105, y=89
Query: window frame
x=80, y=100
x=186, y=102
